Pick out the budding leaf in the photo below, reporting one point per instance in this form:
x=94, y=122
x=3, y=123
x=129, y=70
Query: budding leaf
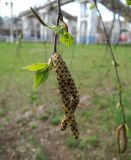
x=115, y=63
x=128, y=2
x=118, y=105
x=58, y=29
x=67, y=39
x=40, y=77
x=37, y=67
x=92, y=5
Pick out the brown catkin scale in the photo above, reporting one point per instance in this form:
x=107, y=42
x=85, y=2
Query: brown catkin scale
x=66, y=83
x=73, y=126
x=68, y=92
x=69, y=118
x=66, y=118
x=68, y=111
x=122, y=139
x=64, y=123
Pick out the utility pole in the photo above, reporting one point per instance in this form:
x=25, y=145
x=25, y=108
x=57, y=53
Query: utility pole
x=0, y=8
x=0, y=16
x=11, y=21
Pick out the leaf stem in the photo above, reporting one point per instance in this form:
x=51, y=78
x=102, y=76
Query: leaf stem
x=115, y=65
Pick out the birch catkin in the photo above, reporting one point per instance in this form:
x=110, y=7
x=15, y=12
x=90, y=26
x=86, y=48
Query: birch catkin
x=68, y=92
x=122, y=139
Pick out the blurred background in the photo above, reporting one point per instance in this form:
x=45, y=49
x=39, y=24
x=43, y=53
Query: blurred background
x=84, y=23
x=29, y=117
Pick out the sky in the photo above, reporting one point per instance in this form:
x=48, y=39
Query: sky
x=21, y=5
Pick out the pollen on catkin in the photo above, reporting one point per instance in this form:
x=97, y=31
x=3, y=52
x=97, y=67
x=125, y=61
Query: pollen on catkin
x=69, y=93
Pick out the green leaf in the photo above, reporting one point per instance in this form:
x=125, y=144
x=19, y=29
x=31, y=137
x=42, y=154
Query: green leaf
x=67, y=39
x=40, y=77
x=128, y=2
x=92, y=5
x=58, y=29
x=37, y=67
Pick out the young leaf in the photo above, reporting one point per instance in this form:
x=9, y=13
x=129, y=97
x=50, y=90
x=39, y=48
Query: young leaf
x=58, y=29
x=128, y=2
x=37, y=67
x=92, y=5
x=67, y=39
x=40, y=77
x=118, y=105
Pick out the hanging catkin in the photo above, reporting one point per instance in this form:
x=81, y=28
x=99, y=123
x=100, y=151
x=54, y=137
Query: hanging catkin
x=68, y=92
x=122, y=139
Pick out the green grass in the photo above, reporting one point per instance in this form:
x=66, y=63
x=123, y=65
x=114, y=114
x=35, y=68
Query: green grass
x=90, y=66
x=82, y=143
x=40, y=155
x=55, y=116
x=86, y=63
x=44, y=117
x=93, y=73
x=71, y=142
x=2, y=113
x=86, y=142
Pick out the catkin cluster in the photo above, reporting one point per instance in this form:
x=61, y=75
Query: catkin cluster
x=68, y=92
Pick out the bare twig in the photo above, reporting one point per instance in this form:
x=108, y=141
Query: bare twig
x=114, y=18
x=60, y=17
x=9, y=79
x=120, y=26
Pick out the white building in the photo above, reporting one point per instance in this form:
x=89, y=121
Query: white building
x=86, y=28
x=33, y=30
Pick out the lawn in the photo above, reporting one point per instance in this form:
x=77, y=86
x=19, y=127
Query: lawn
x=30, y=117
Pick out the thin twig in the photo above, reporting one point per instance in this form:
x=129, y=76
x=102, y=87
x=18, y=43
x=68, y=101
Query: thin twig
x=60, y=17
x=38, y=17
x=9, y=80
x=114, y=18
x=120, y=26
x=115, y=65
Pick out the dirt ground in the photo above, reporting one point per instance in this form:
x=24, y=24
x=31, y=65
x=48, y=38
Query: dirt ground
x=30, y=135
